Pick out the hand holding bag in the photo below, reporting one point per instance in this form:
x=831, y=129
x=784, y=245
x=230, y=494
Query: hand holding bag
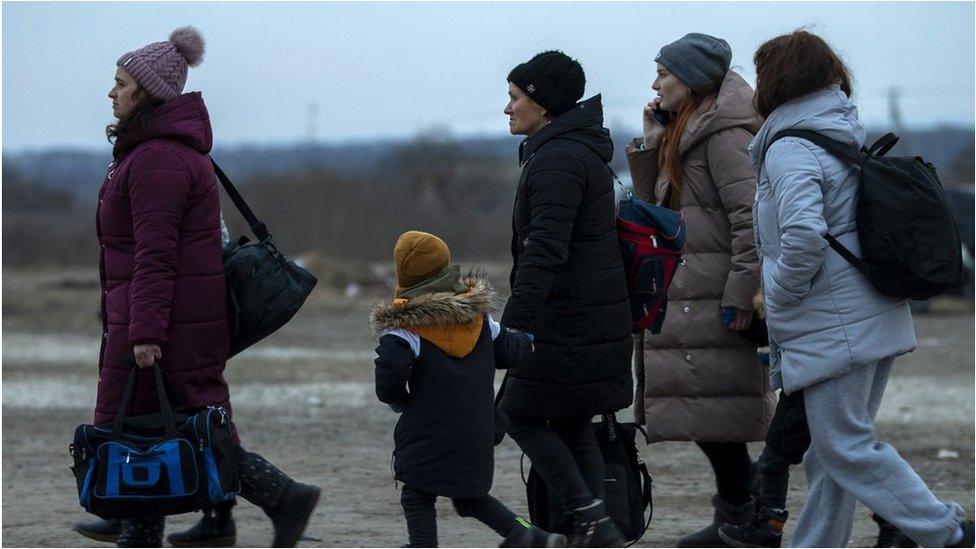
x=169, y=464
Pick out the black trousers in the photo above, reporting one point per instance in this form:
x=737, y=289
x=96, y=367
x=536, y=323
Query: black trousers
x=565, y=454
x=262, y=484
x=421, y=514
x=787, y=440
x=733, y=470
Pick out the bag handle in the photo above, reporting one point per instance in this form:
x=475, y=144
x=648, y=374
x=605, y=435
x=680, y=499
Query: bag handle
x=259, y=229
x=611, y=421
x=646, y=493
x=645, y=498
x=169, y=421
x=883, y=145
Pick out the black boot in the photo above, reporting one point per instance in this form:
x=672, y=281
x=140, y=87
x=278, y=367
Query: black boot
x=141, y=532
x=592, y=527
x=290, y=516
x=724, y=513
x=99, y=529
x=523, y=534
x=764, y=529
x=215, y=529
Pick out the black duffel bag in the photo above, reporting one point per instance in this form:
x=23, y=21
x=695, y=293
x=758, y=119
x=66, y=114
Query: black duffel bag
x=627, y=484
x=156, y=464
x=264, y=288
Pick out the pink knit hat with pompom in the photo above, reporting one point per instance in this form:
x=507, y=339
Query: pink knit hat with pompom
x=160, y=68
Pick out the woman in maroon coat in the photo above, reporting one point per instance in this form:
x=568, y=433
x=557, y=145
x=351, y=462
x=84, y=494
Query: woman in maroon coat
x=163, y=294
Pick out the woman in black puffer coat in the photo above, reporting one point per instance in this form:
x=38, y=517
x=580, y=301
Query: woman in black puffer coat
x=569, y=289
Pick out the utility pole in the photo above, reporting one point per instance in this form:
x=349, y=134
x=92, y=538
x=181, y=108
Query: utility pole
x=311, y=123
x=894, y=108
x=894, y=112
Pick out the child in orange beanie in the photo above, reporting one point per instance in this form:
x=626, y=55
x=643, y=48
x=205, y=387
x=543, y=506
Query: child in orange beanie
x=436, y=360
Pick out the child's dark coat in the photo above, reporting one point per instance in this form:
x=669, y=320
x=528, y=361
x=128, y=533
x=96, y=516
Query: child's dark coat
x=436, y=362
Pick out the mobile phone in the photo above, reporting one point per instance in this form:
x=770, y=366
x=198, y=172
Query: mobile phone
x=662, y=116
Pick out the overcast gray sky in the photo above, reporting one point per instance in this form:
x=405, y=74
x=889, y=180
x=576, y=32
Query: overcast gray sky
x=381, y=69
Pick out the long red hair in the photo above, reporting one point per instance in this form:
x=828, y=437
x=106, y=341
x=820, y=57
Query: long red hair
x=668, y=158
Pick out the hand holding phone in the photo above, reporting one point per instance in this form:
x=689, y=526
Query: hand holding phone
x=662, y=116
x=655, y=120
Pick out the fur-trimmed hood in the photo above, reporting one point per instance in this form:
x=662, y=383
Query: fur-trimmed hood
x=440, y=309
x=452, y=322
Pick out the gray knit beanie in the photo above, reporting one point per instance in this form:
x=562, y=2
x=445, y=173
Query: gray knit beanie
x=697, y=59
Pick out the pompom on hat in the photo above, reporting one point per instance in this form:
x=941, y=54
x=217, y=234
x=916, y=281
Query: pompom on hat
x=161, y=67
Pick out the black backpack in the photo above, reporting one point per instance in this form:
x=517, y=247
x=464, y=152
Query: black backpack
x=910, y=245
x=628, y=485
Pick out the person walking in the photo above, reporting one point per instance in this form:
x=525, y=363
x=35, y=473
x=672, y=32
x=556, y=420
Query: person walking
x=700, y=379
x=569, y=290
x=162, y=280
x=435, y=365
x=833, y=337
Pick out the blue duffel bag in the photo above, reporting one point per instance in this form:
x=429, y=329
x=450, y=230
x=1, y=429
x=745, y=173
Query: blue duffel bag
x=154, y=465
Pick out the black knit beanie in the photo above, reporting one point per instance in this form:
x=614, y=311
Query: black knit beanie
x=552, y=79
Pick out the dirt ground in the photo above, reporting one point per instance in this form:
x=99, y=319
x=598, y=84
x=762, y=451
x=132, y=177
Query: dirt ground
x=304, y=399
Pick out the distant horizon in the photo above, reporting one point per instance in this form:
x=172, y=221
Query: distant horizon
x=378, y=139
x=284, y=73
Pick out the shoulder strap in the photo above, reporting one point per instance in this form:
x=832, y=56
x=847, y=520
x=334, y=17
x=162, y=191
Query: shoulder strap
x=613, y=174
x=851, y=155
x=843, y=151
x=257, y=227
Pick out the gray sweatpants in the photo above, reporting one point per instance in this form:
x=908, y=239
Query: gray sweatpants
x=846, y=464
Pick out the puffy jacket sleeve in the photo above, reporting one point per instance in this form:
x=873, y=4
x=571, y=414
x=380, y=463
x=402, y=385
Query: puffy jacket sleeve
x=393, y=363
x=555, y=190
x=159, y=186
x=734, y=177
x=643, y=169
x=511, y=348
x=795, y=178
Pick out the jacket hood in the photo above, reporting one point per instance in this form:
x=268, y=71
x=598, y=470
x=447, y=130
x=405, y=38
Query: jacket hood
x=452, y=322
x=582, y=123
x=184, y=119
x=828, y=111
x=731, y=108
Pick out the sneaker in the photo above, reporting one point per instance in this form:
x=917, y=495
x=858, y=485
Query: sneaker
x=213, y=530
x=291, y=515
x=764, y=529
x=592, y=527
x=523, y=534
x=99, y=529
x=889, y=535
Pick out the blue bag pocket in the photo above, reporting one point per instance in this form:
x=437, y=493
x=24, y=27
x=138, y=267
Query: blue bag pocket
x=165, y=470
x=141, y=473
